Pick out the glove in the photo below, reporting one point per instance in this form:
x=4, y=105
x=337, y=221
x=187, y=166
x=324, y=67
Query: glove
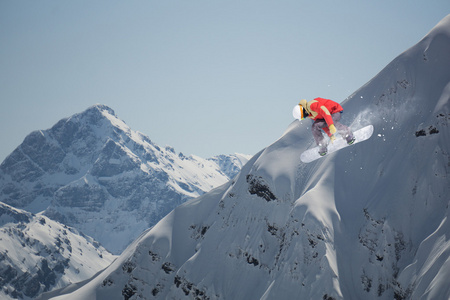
x=332, y=138
x=332, y=129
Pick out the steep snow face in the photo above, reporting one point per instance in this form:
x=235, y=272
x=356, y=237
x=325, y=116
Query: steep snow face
x=38, y=254
x=368, y=222
x=403, y=185
x=92, y=172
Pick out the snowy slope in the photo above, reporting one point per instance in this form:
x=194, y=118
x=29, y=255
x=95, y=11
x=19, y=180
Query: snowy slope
x=92, y=172
x=368, y=222
x=38, y=254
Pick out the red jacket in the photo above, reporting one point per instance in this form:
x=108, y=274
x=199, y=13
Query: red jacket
x=321, y=108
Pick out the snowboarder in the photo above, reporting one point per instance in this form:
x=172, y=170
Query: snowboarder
x=326, y=115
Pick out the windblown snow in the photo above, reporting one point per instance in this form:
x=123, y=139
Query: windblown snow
x=367, y=222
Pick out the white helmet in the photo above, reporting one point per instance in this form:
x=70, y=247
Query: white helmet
x=297, y=112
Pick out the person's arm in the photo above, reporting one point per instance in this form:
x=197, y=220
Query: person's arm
x=327, y=116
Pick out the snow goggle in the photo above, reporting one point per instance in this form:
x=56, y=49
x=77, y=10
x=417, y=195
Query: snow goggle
x=299, y=112
x=303, y=113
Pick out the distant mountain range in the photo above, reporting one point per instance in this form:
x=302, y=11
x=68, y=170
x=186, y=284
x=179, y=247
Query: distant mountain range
x=92, y=172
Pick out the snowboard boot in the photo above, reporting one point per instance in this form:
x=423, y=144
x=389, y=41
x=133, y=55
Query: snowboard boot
x=323, y=149
x=350, y=139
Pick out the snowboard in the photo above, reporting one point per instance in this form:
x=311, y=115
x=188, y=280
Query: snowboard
x=360, y=135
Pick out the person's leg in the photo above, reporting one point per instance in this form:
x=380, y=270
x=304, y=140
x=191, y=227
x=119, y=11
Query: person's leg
x=318, y=136
x=343, y=130
x=317, y=130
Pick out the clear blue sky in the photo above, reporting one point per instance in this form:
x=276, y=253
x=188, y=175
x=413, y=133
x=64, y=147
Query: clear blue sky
x=206, y=77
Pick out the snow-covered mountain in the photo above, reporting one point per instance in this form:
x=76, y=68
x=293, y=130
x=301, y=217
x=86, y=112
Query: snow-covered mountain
x=38, y=254
x=92, y=172
x=368, y=222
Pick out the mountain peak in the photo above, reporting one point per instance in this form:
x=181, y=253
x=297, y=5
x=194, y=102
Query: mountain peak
x=101, y=108
x=100, y=111
x=93, y=115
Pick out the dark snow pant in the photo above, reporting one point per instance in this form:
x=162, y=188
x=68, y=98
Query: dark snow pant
x=343, y=130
